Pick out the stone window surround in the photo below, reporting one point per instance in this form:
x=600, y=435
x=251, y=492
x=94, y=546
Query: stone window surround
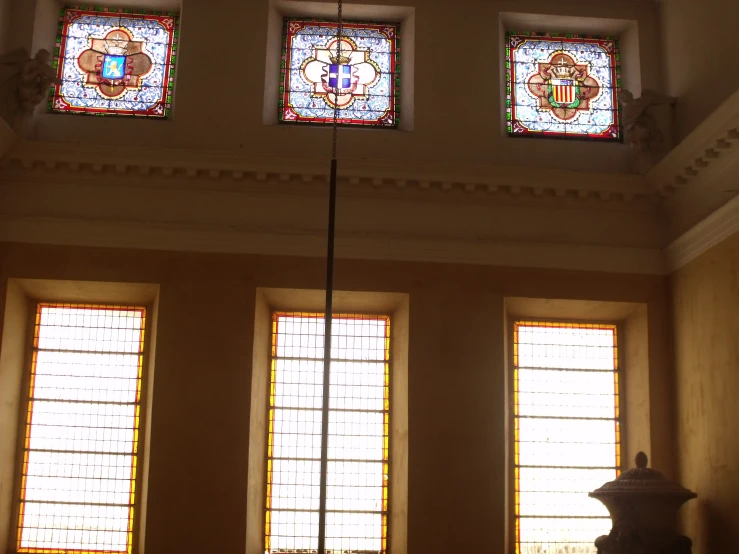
x=393, y=304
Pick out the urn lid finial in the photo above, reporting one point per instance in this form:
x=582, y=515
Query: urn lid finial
x=642, y=481
x=641, y=460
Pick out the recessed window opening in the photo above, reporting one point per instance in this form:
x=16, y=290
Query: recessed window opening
x=358, y=76
x=115, y=61
x=358, y=434
x=566, y=432
x=80, y=449
x=563, y=85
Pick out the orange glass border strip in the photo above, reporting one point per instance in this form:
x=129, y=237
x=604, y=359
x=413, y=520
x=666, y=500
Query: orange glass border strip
x=29, y=420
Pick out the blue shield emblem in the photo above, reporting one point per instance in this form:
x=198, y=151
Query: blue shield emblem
x=339, y=76
x=114, y=67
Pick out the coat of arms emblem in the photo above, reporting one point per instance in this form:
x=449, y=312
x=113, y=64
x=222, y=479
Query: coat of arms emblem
x=563, y=86
x=340, y=73
x=115, y=63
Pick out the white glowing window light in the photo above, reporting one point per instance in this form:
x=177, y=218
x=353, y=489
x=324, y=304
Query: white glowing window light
x=80, y=455
x=358, y=434
x=567, y=433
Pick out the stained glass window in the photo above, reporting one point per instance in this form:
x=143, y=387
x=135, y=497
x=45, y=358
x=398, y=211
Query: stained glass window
x=115, y=61
x=360, y=78
x=562, y=86
x=566, y=431
x=81, y=442
x=357, y=472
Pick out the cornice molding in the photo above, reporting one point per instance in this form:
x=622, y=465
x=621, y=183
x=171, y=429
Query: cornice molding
x=262, y=240
x=717, y=227
x=210, y=166
x=702, y=152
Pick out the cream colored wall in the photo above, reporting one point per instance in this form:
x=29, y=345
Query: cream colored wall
x=706, y=312
x=700, y=50
x=456, y=369
x=219, y=90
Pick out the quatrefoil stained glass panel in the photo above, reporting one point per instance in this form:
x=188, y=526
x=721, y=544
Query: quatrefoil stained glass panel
x=357, y=77
x=115, y=61
x=563, y=86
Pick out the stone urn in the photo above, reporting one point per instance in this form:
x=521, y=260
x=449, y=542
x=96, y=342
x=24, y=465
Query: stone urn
x=643, y=505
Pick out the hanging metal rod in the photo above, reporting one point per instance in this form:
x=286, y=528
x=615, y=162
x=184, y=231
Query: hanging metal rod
x=328, y=313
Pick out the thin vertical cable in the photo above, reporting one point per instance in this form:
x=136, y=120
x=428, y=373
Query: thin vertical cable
x=329, y=296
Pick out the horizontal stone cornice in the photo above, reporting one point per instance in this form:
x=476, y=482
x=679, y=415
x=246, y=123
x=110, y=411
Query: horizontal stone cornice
x=209, y=166
x=292, y=241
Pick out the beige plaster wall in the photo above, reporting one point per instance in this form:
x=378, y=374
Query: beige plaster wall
x=699, y=56
x=218, y=99
x=706, y=311
x=456, y=369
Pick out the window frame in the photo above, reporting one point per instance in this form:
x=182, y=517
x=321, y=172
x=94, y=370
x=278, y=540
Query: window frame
x=509, y=84
x=139, y=486
x=168, y=83
x=619, y=373
x=358, y=314
x=396, y=79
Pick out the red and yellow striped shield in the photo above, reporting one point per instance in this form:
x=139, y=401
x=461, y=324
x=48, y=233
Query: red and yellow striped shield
x=564, y=91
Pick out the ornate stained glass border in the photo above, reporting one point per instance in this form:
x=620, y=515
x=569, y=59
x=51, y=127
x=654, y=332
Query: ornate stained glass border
x=115, y=61
x=364, y=81
x=563, y=85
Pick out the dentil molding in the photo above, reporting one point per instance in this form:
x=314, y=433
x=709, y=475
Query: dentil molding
x=205, y=167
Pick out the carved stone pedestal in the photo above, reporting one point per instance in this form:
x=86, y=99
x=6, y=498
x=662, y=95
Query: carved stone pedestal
x=643, y=505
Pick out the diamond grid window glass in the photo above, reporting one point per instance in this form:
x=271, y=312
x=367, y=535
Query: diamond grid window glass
x=358, y=434
x=566, y=432
x=80, y=465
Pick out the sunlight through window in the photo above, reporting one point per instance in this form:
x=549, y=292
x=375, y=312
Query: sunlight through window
x=357, y=476
x=80, y=455
x=567, y=433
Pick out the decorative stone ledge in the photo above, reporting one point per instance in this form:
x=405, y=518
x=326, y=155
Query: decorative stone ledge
x=206, y=167
x=310, y=241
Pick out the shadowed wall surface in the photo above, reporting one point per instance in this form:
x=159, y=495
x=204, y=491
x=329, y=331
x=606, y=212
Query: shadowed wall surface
x=456, y=369
x=706, y=306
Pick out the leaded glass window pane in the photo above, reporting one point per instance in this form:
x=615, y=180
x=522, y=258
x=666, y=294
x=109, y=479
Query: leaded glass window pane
x=563, y=86
x=567, y=433
x=115, y=61
x=81, y=439
x=360, y=79
x=357, y=438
